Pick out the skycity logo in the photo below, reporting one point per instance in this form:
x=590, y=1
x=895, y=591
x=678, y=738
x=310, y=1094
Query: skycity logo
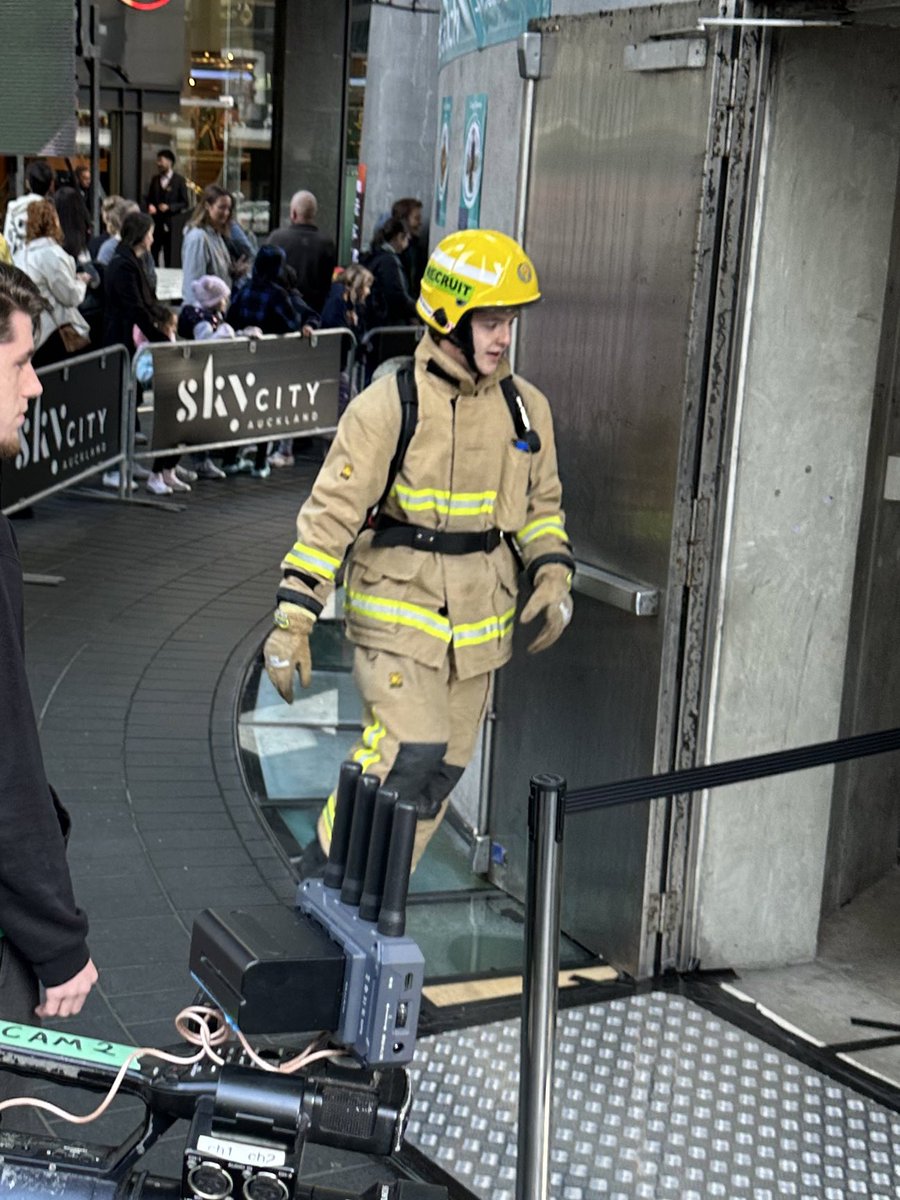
x=247, y=408
x=48, y=434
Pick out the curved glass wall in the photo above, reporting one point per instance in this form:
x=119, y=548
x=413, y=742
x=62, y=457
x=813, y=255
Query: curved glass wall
x=291, y=754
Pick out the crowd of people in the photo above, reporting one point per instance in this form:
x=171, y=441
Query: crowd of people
x=100, y=286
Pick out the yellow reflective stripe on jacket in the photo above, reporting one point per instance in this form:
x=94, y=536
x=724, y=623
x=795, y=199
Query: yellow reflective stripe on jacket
x=457, y=504
x=399, y=612
x=542, y=527
x=316, y=561
x=488, y=630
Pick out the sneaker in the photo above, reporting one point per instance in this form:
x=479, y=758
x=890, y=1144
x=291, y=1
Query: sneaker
x=241, y=467
x=261, y=472
x=173, y=483
x=157, y=486
x=112, y=479
x=279, y=459
x=186, y=475
x=311, y=863
x=139, y=471
x=208, y=470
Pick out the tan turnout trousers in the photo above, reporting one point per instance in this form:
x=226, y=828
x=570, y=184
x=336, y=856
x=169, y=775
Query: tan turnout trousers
x=421, y=724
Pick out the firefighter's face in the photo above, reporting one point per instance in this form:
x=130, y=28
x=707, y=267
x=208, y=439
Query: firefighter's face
x=18, y=382
x=491, y=337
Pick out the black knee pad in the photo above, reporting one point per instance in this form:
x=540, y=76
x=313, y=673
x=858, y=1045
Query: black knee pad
x=414, y=767
x=437, y=789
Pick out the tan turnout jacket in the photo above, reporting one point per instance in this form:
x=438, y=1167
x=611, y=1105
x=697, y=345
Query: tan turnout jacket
x=462, y=472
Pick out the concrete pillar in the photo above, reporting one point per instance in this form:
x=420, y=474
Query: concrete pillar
x=401, y=114
x=811, y=344
x=312, y=64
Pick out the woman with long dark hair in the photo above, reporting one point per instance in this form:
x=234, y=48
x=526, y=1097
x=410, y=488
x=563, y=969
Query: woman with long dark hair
x=75, y=223
x=130, y=302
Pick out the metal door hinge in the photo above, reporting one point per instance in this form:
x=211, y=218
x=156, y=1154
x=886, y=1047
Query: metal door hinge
x=664, y=913
x=695, y=571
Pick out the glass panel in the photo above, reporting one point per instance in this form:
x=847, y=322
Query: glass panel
x=222, y=132
x=294, y=761
x=474, y=935
x=331, y=699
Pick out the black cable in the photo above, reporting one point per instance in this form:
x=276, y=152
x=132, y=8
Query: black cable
x=693, y=779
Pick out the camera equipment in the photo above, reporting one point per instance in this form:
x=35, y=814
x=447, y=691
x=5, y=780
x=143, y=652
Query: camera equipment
x=340, y=962
x=247, y=1132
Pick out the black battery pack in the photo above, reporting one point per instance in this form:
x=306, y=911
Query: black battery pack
x=271, y=969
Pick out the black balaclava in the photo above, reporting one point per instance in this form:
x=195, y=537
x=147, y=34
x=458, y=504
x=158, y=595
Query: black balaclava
x=461, y=337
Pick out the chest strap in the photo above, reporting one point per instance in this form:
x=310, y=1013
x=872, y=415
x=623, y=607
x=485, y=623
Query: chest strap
x=389, y=532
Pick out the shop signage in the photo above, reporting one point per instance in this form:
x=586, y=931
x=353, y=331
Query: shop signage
x=73, y=427
x=145, y=5
x=221, y=392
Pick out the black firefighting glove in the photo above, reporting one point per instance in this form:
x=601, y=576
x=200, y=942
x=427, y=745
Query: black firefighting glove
x=287, y=649
x=550, y=597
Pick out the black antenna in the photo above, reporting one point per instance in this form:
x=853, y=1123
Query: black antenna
x=392, y=918
x=345, y=800
x=376, y=868
x=360, y=831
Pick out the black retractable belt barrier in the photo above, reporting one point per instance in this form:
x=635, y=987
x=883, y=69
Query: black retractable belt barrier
x=74, y=429
x=548, y=806
x=739, y=770
x=236, y=391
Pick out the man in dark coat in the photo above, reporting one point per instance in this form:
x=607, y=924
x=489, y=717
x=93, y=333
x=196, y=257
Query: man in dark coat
x=44, y=931
x=167, y=196
x=310, y=253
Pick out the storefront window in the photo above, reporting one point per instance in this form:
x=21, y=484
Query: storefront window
x=222, y=132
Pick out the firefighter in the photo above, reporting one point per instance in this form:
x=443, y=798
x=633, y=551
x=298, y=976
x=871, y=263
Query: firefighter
x=431, y=581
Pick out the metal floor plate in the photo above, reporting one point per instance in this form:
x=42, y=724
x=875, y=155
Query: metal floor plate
x=654, y=1099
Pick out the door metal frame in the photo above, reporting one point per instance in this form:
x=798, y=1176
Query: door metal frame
x=727, y=248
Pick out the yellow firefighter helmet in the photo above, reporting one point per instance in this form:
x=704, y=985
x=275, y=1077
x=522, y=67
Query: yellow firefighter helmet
x=475, y=268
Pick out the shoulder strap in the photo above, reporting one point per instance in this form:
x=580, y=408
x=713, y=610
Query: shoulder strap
x=409, y=418
x=519, y=414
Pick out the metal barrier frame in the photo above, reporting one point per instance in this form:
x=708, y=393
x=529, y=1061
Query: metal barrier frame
x=120, y=459
x=356, y=362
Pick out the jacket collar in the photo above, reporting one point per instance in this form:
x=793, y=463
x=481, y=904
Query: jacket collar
x=432, y=357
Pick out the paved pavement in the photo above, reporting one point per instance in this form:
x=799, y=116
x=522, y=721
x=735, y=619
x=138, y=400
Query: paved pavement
x=136, y=663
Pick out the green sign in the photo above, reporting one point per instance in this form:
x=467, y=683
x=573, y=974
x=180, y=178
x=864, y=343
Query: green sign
x=443, y=182
x=473, y=162
x=65, y=1045
x=468, y=25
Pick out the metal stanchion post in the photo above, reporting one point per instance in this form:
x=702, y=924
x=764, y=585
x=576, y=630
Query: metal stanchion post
x=546, y=812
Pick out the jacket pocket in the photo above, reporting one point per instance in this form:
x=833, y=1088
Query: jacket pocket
x=511, y=508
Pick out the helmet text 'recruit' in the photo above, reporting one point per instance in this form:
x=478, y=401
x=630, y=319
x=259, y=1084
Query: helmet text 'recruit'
x=448, y=283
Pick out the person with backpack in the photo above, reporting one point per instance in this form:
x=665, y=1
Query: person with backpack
x=440, y=486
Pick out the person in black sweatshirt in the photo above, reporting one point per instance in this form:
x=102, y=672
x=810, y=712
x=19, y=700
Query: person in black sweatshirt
x=43, y=930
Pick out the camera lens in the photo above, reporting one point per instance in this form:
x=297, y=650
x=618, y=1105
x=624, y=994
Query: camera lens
x=265, y=1187
x=209, y=1182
